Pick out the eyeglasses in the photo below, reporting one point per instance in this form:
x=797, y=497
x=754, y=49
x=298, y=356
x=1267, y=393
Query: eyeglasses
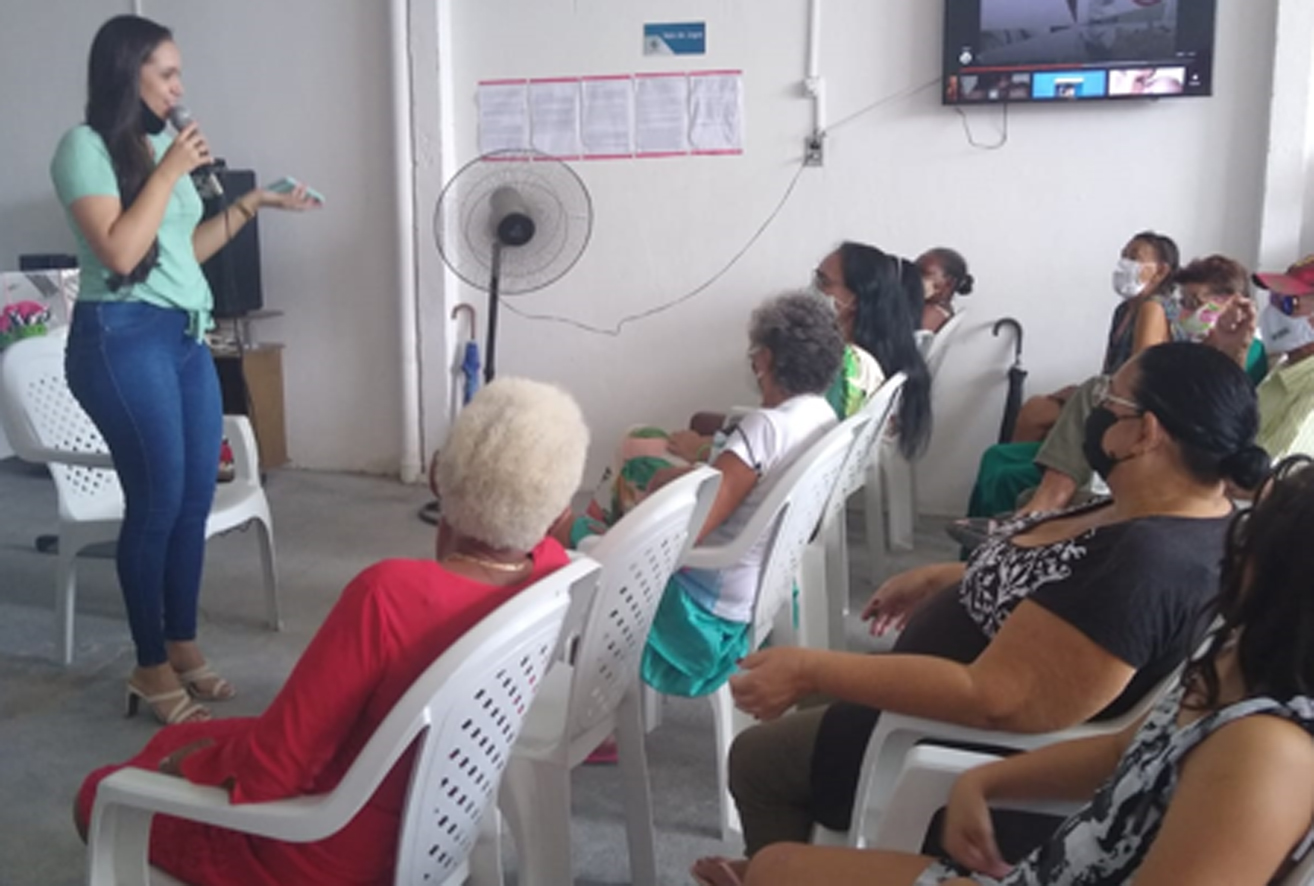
x=1102, y=394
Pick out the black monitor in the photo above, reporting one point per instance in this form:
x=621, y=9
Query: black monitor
x=1076, y=50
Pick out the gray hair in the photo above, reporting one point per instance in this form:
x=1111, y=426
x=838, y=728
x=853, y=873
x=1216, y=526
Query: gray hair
x=513, y=460
x=803, y=336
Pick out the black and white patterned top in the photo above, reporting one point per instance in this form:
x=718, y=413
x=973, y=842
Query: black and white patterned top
x=1105, y=842
x=1135, y=588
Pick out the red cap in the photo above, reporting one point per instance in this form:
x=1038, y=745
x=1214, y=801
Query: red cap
x=1298, y=280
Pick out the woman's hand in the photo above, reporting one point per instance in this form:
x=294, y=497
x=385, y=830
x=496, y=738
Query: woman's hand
x=895, y=601
x=771, y=681
x=172, y=764
x=1235, y=329
x=188, y=151
x=688, y=445
x=295, y=200
x=969, y=834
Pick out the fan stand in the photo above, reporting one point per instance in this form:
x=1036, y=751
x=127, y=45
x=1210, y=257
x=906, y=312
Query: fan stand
x=494, y=285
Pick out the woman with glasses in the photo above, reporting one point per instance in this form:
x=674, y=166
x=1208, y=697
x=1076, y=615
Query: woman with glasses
x=1056, y=619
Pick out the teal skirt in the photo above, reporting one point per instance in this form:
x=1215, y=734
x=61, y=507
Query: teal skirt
x=690, y=651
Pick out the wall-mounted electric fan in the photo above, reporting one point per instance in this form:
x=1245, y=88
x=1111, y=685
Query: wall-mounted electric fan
x=511, y=222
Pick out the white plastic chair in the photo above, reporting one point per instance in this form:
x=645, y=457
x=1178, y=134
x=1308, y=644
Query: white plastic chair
x=787, y=518
x=824, y=574
x=592, y=689
x=45, y=424
x=927, y=779
x=892, y=487
x=896, y=735
x=462, y=715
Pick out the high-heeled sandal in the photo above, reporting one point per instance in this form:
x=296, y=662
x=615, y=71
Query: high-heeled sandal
x=220, y=689
x=181, y=711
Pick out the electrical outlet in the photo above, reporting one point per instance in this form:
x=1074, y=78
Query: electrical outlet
x=814, y=153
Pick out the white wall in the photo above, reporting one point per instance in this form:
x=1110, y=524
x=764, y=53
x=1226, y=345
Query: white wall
x=298, y=87
x=1041, y=220
x=307, y=94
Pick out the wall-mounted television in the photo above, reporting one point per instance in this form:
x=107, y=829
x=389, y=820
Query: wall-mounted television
x=1076, y=50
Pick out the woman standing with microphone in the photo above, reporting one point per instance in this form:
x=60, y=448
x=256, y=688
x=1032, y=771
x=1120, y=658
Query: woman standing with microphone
x=136, y=358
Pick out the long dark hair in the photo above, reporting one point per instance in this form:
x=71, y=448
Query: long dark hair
x=953, y=264
x=1167, y=253
x=1266, y=594
x=114, y=110
x=883, y=327
x=1207, y=404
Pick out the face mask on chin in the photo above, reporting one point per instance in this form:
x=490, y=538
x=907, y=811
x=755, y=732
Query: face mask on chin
x=1127, y=278
x=152, y=122
x=1283, y=333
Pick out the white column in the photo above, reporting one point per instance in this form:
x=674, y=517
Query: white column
x=437, y=289
x=1287, y=232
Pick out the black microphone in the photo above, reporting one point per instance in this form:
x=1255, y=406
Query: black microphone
x=204, y=176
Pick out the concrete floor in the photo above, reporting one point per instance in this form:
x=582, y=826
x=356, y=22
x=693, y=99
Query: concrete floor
x=57, y=724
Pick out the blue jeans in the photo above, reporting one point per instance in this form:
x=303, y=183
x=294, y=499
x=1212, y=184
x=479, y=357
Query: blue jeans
x=153, y=392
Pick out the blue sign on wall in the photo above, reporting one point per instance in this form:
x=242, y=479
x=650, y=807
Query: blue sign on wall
x=689, y=38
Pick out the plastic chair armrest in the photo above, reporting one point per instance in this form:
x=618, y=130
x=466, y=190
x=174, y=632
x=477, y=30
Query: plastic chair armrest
x=297, y=820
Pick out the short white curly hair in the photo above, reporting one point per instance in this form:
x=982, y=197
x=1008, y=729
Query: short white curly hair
x=513, y=460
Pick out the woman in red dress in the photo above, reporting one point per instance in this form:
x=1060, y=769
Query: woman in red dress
x=514, y=458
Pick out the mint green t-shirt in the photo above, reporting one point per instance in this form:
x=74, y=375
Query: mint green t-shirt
x=82, y=168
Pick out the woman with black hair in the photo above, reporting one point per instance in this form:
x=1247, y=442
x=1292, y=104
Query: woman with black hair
x=1056, y=619
x=872, y=301
x=1215, y=786
x=1144, y=279
x=136, y=358
x=944, y=275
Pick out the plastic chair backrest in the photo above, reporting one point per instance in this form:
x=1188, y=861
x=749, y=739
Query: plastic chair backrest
x=638, y=556
x=882, y=407
x=795, y=503
x=467, y=709
x=43, y=421
x=938, y=349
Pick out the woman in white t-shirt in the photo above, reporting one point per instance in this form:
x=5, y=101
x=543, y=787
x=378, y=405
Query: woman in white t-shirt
x=701, y=627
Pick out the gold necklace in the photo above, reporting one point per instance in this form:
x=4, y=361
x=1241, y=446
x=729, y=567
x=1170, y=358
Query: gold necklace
x=495, y=565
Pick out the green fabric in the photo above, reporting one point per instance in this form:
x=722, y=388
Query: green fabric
x=843, y=392
x=1007, y=470
x=82, y=168
x=1256, y=362
x=690, y=651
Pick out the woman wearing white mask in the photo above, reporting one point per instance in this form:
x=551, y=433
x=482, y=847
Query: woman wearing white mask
x=1046, y=444
x=1286, y=396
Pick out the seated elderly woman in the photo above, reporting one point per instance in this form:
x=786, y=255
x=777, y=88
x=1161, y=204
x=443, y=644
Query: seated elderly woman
x=507, y=473
x=944, y=275
x=1215, y=786
x=870, y=290
x=1055, y=620
x=873, y=293
x=701, y=626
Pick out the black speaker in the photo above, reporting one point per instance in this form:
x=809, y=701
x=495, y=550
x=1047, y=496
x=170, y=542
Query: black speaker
x=234, y=271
